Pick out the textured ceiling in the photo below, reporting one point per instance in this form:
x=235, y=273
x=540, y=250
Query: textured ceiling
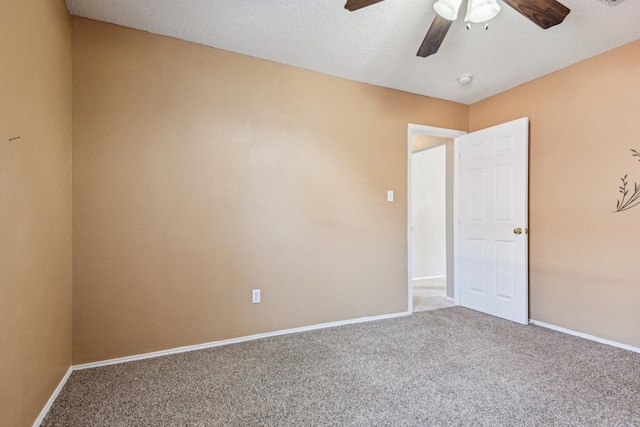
x=378, y=44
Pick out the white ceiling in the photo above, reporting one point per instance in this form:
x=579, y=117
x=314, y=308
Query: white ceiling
x=378, y=44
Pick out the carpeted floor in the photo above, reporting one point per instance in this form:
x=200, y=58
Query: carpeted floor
x=430, y=294
x=447, y=367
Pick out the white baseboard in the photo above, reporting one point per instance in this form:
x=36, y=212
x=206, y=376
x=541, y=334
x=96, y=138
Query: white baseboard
x=585, y=336
x=52, y=399
x=451, y=299
x=429, y=277
x=234, y=341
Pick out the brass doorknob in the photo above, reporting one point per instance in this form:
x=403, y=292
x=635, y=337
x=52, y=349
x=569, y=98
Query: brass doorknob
x=518, y=231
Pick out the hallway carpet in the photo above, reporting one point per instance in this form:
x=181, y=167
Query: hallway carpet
x=430, y=294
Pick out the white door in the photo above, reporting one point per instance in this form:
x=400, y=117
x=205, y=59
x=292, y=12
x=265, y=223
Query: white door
x=492, y=263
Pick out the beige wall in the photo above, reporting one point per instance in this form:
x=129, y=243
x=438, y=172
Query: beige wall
x=201, y=174
x=35, y=205
x=584, y=271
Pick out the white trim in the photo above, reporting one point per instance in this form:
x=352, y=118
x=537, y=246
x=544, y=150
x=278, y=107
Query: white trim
x=456, y=220
x=433, y=131
x=430, y=277
x=185, y=349
x=585, y=336
x=452, y=300
x=53, y=398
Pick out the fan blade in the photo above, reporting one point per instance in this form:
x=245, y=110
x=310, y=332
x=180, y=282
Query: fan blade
x=544, y=13
x=359, y=4
x=432, y=41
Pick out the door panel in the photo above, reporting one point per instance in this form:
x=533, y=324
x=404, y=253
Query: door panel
x=493, y=196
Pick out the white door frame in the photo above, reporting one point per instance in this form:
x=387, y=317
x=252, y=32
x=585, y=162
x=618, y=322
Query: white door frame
x=445, y=133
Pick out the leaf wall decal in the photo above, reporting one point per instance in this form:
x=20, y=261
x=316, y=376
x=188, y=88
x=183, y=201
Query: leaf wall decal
x=634, y=200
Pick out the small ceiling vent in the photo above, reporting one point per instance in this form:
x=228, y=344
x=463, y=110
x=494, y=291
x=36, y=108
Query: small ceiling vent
x=611, y=2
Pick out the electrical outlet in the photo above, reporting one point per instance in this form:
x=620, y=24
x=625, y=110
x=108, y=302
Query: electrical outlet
x=255, y=296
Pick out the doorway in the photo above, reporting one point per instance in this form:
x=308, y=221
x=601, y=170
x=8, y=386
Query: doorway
x=489, y=201
x=431, y=167
x=429, y=223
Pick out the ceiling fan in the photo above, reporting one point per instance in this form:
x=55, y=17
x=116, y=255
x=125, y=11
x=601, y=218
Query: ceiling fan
x=543, y=13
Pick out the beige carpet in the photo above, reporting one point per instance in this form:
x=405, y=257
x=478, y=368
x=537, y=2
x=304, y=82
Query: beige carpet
x=430, y=294
x=449, y=367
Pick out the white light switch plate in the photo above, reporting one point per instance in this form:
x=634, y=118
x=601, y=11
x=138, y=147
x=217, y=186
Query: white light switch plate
x=390, y=196
x=255, y=296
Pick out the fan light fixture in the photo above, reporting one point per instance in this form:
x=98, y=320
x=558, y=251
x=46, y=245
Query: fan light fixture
x=448, y=9
x=477, y=10
x=544, y=13
x=482, y=10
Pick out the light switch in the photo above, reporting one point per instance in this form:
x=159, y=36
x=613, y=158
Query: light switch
x=390, y=196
